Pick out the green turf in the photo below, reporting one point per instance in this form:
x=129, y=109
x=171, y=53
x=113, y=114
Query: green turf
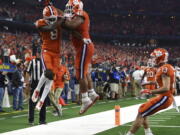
x=157, y=128
x=9, y=123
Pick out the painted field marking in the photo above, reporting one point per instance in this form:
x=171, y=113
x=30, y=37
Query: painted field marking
x=75, y=107
x=161, y=118
x=89, y=124
x=101, y=103
x=19, y=116
x=172, y=113
x=111, y=101
x=156, y=120
x=158, y=126
x=2, y=118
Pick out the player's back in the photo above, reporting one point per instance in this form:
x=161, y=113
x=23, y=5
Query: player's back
x=83, y=29
x=168, y=70
x=51, y=39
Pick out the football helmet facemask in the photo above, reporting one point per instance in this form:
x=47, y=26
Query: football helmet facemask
x=159, y=55
x=73, y=7
x=50, y=14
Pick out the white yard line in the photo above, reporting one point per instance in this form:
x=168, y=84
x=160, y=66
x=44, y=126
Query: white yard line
x=176, y=113
x=65, y=108
x=156, y=120
x=85, y=125
x=158, y=126
x=75, y=107
x=2, y=118
x=111, y=101
x=17, y=116
x=101, y=103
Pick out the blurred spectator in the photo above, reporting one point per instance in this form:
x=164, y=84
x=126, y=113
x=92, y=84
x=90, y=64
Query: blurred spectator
x=17, y=87
x=137, y=77
x=2, y=89
x=6, y=53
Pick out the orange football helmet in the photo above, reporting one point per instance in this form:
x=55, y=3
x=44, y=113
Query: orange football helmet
x=50, y=14
x=159, y=56
x=73, y=7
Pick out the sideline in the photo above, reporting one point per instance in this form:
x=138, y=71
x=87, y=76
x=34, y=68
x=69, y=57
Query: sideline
x=85, y=125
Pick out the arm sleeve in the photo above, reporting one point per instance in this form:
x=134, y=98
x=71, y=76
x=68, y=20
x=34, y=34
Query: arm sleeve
x=40, y=23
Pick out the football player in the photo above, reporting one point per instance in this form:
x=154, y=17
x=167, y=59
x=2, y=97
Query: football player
x=165, y=78
x=78, y=22
x=51, y=37
x=149, y=73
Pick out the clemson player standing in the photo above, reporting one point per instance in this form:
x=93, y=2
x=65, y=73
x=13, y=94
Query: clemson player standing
x=165, y=78
x=51, y=37
x=149, y=73
x=77, y=20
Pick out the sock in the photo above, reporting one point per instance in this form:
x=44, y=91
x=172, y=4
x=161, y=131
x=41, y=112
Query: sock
x=47, y=89
x=129, y=133
x=42, y=80
x=84, y=95
x=148, y=130
x=91, y=92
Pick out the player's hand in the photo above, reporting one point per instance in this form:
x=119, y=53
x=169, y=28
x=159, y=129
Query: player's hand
x=65, y=76
x=146, y=91
x=144, y=83
x=61, y=19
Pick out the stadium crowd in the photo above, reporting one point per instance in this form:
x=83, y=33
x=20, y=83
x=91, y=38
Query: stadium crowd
x=112, y=63
x=165, y=6
x=128, y=23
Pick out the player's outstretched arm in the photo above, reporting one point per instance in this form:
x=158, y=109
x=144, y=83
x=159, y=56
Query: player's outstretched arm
x=148, y=83
x=73, y=23
x=48, y=27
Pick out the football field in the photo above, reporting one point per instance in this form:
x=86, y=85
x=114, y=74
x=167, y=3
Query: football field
x=98, y=120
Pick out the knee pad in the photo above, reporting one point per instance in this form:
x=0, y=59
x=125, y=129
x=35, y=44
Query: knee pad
x=49, y=74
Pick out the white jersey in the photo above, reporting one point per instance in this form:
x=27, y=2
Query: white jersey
x=137, y=75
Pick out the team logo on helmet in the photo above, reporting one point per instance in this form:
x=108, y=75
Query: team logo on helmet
x=50, y=14
x=73, y=7
x=159, y=55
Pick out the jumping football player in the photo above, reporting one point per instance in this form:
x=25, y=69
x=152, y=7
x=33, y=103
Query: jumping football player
x=77, y=20
x=51, y=38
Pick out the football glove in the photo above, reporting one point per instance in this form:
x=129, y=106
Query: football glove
x=144, y=83
x=146, y=91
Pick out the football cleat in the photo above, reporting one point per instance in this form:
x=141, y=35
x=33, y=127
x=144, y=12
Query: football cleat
x=149, y=133
x=39, y=105
x=175, y=106
x=177, y=109
x=94, y=97
x=86, y=104
x=35, y=96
